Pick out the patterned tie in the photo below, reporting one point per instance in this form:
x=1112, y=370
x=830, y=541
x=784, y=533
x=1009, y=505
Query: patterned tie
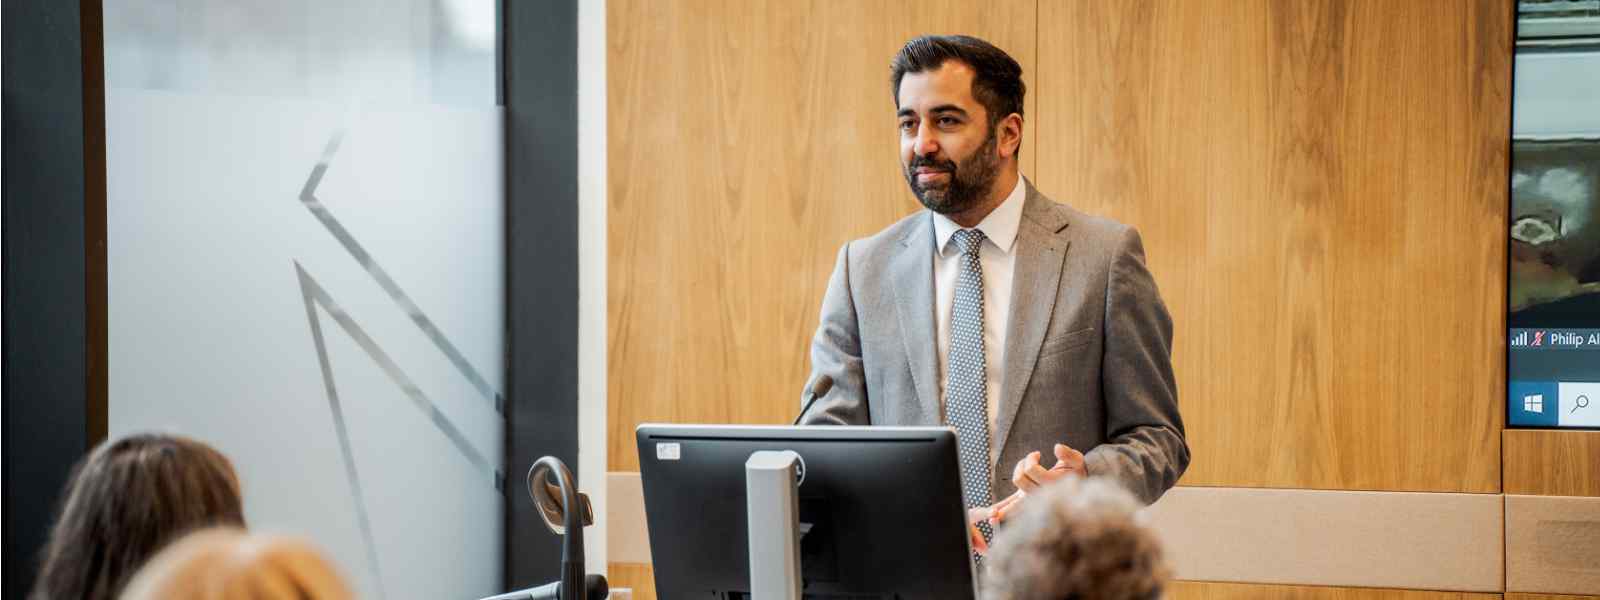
x=966, y=387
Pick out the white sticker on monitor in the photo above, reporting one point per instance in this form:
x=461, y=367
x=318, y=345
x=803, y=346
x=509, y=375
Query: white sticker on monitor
x=668, y=451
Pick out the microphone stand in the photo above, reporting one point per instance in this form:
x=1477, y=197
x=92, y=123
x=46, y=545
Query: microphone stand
x=562, y=503
x=818, y=389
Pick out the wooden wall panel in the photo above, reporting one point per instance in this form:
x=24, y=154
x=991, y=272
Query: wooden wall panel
x=747, y=141
x=1552, y=544
x=1321, y=186
x=1399, y=540
x=1520, y=596
x=1552, y=463
x=1202, y=590
x=641, y=579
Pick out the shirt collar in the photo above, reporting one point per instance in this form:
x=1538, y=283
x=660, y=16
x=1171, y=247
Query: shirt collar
x=1000, y=226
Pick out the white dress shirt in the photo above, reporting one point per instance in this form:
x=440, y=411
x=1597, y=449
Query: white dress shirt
x=998, y=257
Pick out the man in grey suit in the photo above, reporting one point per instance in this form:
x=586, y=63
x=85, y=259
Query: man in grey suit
x=1029, y=327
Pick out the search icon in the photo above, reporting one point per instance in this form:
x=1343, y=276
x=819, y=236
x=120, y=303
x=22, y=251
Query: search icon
x=1581, y=401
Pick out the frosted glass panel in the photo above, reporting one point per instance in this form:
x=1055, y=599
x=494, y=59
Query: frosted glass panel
x=305, y=255
x=382, y=51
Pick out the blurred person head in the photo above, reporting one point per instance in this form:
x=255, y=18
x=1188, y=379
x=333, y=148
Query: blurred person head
x=123, y=503
x=1080, y=540
x=229, y=564
x=959, y=109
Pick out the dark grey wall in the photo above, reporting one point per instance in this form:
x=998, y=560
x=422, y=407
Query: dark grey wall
x=540, y=61
x=54, y=259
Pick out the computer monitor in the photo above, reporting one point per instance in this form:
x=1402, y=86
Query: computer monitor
x=881, y=515
x=1553, y=346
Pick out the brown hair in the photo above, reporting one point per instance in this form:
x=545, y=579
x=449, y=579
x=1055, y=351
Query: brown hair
x=1077, y=540
x=228, y=564
x=125, y=501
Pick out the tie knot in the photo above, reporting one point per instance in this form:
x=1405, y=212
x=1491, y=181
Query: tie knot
x=969, y=240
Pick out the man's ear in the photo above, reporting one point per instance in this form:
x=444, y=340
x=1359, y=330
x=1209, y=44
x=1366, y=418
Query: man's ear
x=1010, y=135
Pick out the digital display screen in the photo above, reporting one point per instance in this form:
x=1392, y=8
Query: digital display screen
x=1553, y=348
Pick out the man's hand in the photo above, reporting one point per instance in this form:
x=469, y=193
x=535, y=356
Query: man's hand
x=999, y=510
x=975, y=516
x=1030, y=475
x=994, y=514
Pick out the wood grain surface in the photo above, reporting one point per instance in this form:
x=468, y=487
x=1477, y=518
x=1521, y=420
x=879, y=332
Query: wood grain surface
x=1321, y=186
x=1200, y=590
x=747, y=141
x=1322, y=190
x=1552, y=463
x=640, y=579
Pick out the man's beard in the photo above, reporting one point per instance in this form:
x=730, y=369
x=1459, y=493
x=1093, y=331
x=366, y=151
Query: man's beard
x=969, y=182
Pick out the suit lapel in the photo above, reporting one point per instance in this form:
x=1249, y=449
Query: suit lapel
x=913, y=289
x=1041, y=248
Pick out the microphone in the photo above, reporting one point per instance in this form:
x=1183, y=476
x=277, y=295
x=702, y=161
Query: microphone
x=565, y=511
x=818, y=389
x=552, y=591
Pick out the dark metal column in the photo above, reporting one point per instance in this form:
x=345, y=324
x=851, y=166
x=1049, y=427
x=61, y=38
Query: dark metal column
x=54, y=262
x=540, y=70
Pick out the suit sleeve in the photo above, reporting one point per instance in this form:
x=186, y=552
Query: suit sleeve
x=1146, y=451
x=836, y=352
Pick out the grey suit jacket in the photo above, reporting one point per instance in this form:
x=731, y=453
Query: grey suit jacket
x=1087, y=354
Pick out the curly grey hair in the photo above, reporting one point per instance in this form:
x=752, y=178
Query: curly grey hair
x=1076, y=540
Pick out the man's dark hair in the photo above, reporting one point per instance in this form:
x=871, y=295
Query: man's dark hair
x=997, y=83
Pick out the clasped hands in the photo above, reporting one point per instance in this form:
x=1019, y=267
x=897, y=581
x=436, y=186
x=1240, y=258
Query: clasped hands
x=1028, y=476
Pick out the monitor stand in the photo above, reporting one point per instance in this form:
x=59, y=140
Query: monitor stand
x=772, y=482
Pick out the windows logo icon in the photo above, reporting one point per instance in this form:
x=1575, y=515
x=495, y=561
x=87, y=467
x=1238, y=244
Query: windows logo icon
x=1532, y=404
